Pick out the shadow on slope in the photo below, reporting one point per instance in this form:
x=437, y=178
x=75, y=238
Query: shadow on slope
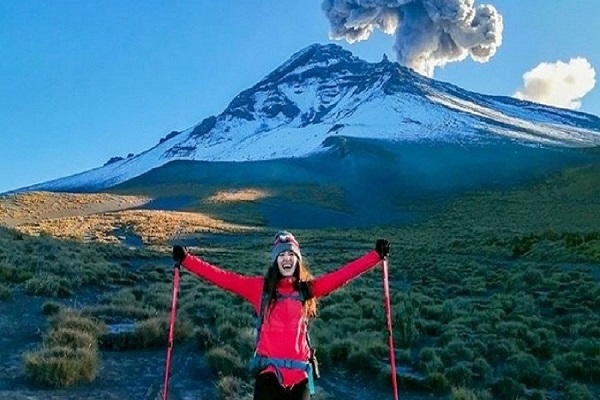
x=379, y=182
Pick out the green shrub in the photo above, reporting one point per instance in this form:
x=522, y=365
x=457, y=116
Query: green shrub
x=147, y=333
x=51, y=308
x=245, y=342
x=577, y=391
x=122, y=337
x=512, y=329
x=226, y=332
x=235, y=317
x=67, y=318
x=533, y=276
x=507, y=388
x=155, y=331
x=462, y=393
x=12, y=274
x=435, y=365
x=451, y=310
x=61, y=367
x=499, y=349
x=340, y=349
x=226, y=361
x=524, y=368
x=231, y=388
x=5, y=293
x=204, y=338
x=427, y=354
x=544, y=343
x=406, y=331
x=573, y=239
x=589, y=347
x=577, y=365
x=361, y=359
x=48, y=285
x=482, y=370
x=522, y=245
x=431, y=328
x=70, y=338
x=456, y=350
x=537, y=394
x=459, y=375
x=437, y=381
x=124, y=296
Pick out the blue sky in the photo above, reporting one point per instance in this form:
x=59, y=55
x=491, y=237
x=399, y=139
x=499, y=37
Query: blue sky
x=83, y=81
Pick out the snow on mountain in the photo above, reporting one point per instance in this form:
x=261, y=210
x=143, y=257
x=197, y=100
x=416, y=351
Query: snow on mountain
x=324, y=91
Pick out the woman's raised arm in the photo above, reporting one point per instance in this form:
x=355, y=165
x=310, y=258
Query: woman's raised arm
x=247, y=287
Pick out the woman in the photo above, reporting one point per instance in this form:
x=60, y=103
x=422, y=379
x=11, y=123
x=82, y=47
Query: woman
x=283, y=299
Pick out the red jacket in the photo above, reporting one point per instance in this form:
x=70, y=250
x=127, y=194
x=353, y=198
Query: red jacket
x=283, y=332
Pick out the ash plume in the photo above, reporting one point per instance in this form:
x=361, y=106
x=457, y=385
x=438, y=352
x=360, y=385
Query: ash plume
x=429, y=33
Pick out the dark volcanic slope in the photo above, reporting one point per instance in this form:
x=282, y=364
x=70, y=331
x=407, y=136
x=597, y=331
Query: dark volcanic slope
x=382, y=182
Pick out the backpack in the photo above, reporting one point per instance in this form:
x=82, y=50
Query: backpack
x=258, y=363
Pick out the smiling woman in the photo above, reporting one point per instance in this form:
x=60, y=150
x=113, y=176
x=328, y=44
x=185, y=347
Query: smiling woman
x=284, y=299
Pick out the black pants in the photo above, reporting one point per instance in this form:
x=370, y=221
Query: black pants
x=267, y=387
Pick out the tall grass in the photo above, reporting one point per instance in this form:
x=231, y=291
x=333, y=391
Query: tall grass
x=495, y=295
x=68, y=355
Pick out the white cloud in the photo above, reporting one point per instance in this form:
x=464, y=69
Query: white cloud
x=558, y=84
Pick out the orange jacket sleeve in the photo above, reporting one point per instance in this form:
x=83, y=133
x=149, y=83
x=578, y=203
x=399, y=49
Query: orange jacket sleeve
x=327, y=283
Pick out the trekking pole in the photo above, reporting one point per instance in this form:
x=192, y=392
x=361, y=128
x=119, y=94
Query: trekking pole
x=388, y=311
x=176, y=270
x=171, y=339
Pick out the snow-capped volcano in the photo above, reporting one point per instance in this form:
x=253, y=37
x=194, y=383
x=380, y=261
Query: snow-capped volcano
x=324, y=92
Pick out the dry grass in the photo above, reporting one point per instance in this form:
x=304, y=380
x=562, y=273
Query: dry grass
x=230, y=196
x=68, y=355
x=61, y=367
x=98, y=217
x=152, y=226
x=24, y=208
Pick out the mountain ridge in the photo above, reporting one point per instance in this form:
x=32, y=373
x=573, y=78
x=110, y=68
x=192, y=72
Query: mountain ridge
x=324, y=91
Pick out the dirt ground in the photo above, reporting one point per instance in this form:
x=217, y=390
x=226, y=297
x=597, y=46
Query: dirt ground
x=133, y=374
x=122, y=375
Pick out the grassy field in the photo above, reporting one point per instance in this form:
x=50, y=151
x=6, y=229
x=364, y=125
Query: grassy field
x=495, y=296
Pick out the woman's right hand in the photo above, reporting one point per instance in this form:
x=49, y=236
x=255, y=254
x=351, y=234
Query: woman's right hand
x=179, y=254
x=382, y=247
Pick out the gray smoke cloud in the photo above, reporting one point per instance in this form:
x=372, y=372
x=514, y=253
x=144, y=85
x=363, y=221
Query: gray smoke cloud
x=429, y=33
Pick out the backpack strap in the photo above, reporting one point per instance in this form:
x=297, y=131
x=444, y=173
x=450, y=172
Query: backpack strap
x=304, y=293
x=258, y=362
x=263, y=308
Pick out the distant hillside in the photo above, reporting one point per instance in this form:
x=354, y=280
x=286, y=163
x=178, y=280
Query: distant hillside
x=357, y=182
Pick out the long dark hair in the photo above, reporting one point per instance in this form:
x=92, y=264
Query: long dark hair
x=303, y=285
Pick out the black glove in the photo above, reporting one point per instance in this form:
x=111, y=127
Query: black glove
x=179, y=254
x=382, y=247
